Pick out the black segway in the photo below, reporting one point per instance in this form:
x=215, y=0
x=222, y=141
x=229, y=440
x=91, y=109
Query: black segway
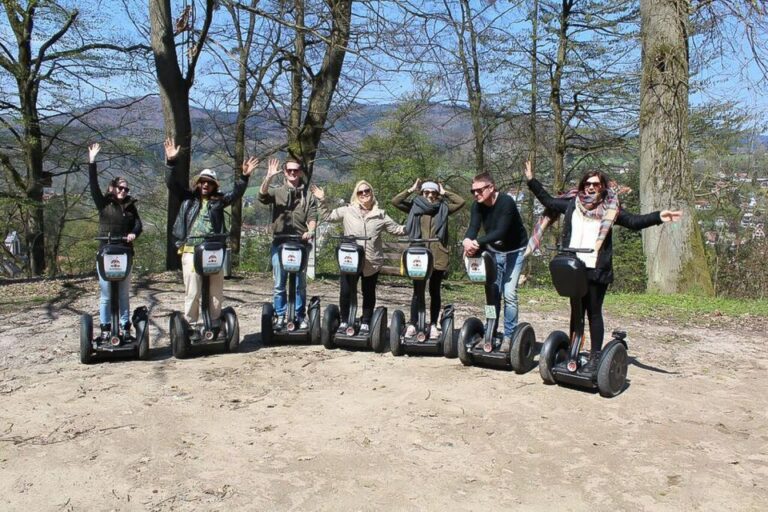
x=114, y=261
x=480, y=343
x=351, y=257
x=208, y=260
x=561, y=359
x=417, y=264
x=293, y=259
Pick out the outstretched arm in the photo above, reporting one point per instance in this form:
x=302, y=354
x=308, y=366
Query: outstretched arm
x=273, y=169
x=93, y=180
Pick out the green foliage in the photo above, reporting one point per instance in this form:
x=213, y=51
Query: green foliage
x=254, y=253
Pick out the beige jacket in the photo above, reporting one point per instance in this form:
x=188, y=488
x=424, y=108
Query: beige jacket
x=371, y=225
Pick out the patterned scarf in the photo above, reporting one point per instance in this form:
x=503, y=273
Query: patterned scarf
x=595, y=207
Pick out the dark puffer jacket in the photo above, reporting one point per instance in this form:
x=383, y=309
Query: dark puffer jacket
x=190, y=206
x=115, y=218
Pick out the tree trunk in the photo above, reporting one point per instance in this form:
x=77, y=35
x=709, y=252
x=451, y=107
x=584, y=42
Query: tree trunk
x=555, y=99
x=174, y=96
x=675, y=256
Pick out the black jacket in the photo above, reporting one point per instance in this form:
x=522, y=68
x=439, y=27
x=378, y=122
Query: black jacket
x=190, y=205
x=603, y=271
x=115, y=218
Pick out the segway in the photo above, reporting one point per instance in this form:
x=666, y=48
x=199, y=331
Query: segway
x=350, y=258
x=114, y=262
x=480, y=343
x=293, y=253
x=561, y=359
x=225, y=331
x=417, y=263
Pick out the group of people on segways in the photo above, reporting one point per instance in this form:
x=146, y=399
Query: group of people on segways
x=494, y=248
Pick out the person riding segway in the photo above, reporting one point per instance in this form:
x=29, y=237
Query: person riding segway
x=583, y=272
x=201, y=238
x=119, y=225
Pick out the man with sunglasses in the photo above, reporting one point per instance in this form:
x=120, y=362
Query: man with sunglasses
x=505, y=238
x=294, y=212
x=201, y=213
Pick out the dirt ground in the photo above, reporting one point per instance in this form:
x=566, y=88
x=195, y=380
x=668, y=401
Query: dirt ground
x=295, y=427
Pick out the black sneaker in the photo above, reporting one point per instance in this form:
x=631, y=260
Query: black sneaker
x=106, y=330
x=592, y=363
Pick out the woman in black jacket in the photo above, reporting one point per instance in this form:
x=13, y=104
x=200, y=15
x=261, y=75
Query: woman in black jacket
x=590, y=211
x=118, y=217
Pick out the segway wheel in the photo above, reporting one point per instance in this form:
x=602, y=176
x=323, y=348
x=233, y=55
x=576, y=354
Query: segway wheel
x=450, y=349
x=267, y=328
x=179, y=336
x=521, y=351
x=86, y=339
x=232, y=325
x=395, y=331
x=553, y=352
x=612, y=371
x=472, y=329
x=315, y=334
x=142, y=333
x=379, y=330
x=329, y=326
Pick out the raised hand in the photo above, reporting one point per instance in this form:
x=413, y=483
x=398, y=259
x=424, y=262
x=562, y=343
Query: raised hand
x=171, y=151
x=528, y=170
x=416, y=185
x=442, y=188
x=93, y=150
x=317, y=192
x=273, y=168
x=250, y=165
x=670, y=215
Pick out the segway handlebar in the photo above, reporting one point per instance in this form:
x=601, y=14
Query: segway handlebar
x=112, y=239
x=350, y=237
x=570, y=249
x=209, y=237
x=418, y=240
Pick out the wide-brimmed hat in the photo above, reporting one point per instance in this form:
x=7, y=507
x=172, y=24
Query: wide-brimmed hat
x=208, y=175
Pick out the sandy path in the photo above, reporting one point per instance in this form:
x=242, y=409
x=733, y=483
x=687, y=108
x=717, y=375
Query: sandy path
x=304, y=428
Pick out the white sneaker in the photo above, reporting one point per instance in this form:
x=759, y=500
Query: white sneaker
x=279, y=322
x=342, y=326
x=410, y=331
x=433, y=332
x=303, y=325
x=365, y=328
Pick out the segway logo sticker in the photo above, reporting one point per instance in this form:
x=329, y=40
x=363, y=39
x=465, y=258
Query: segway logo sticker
x=416, y=265
x=475, y=269
x=291, y=260
x=348, y=262
x=116, y=265
x=212, y=261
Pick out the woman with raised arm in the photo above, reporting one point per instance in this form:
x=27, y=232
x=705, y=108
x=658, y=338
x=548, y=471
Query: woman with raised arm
x=118, y=217
x=591, y=210
x=361, y=217
x=428, y=205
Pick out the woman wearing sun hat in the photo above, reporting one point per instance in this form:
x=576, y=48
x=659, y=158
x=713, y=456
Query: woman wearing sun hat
x=428, y=210
x=201, y=213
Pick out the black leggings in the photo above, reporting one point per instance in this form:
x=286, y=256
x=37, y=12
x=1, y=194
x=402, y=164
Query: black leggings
x=592, y=303
x=369, y=295
x=435, y=300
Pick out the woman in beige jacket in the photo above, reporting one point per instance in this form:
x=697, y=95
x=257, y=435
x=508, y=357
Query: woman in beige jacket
x=362, y=217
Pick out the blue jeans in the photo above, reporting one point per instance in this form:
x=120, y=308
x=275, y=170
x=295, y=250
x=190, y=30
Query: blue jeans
x=124, y=286
x=279, y=298
x=509, y=266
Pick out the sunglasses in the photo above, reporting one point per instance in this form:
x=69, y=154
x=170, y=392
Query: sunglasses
x=431, y=192
x=593, y=184
x=293, y=170
x=121, y=188
x=364, y=192
x=206, y=182
x=479, y=190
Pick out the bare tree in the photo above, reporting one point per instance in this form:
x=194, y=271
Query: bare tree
x=48, y=47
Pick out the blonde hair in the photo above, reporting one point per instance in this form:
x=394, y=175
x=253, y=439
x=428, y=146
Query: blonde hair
x=354, y=199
